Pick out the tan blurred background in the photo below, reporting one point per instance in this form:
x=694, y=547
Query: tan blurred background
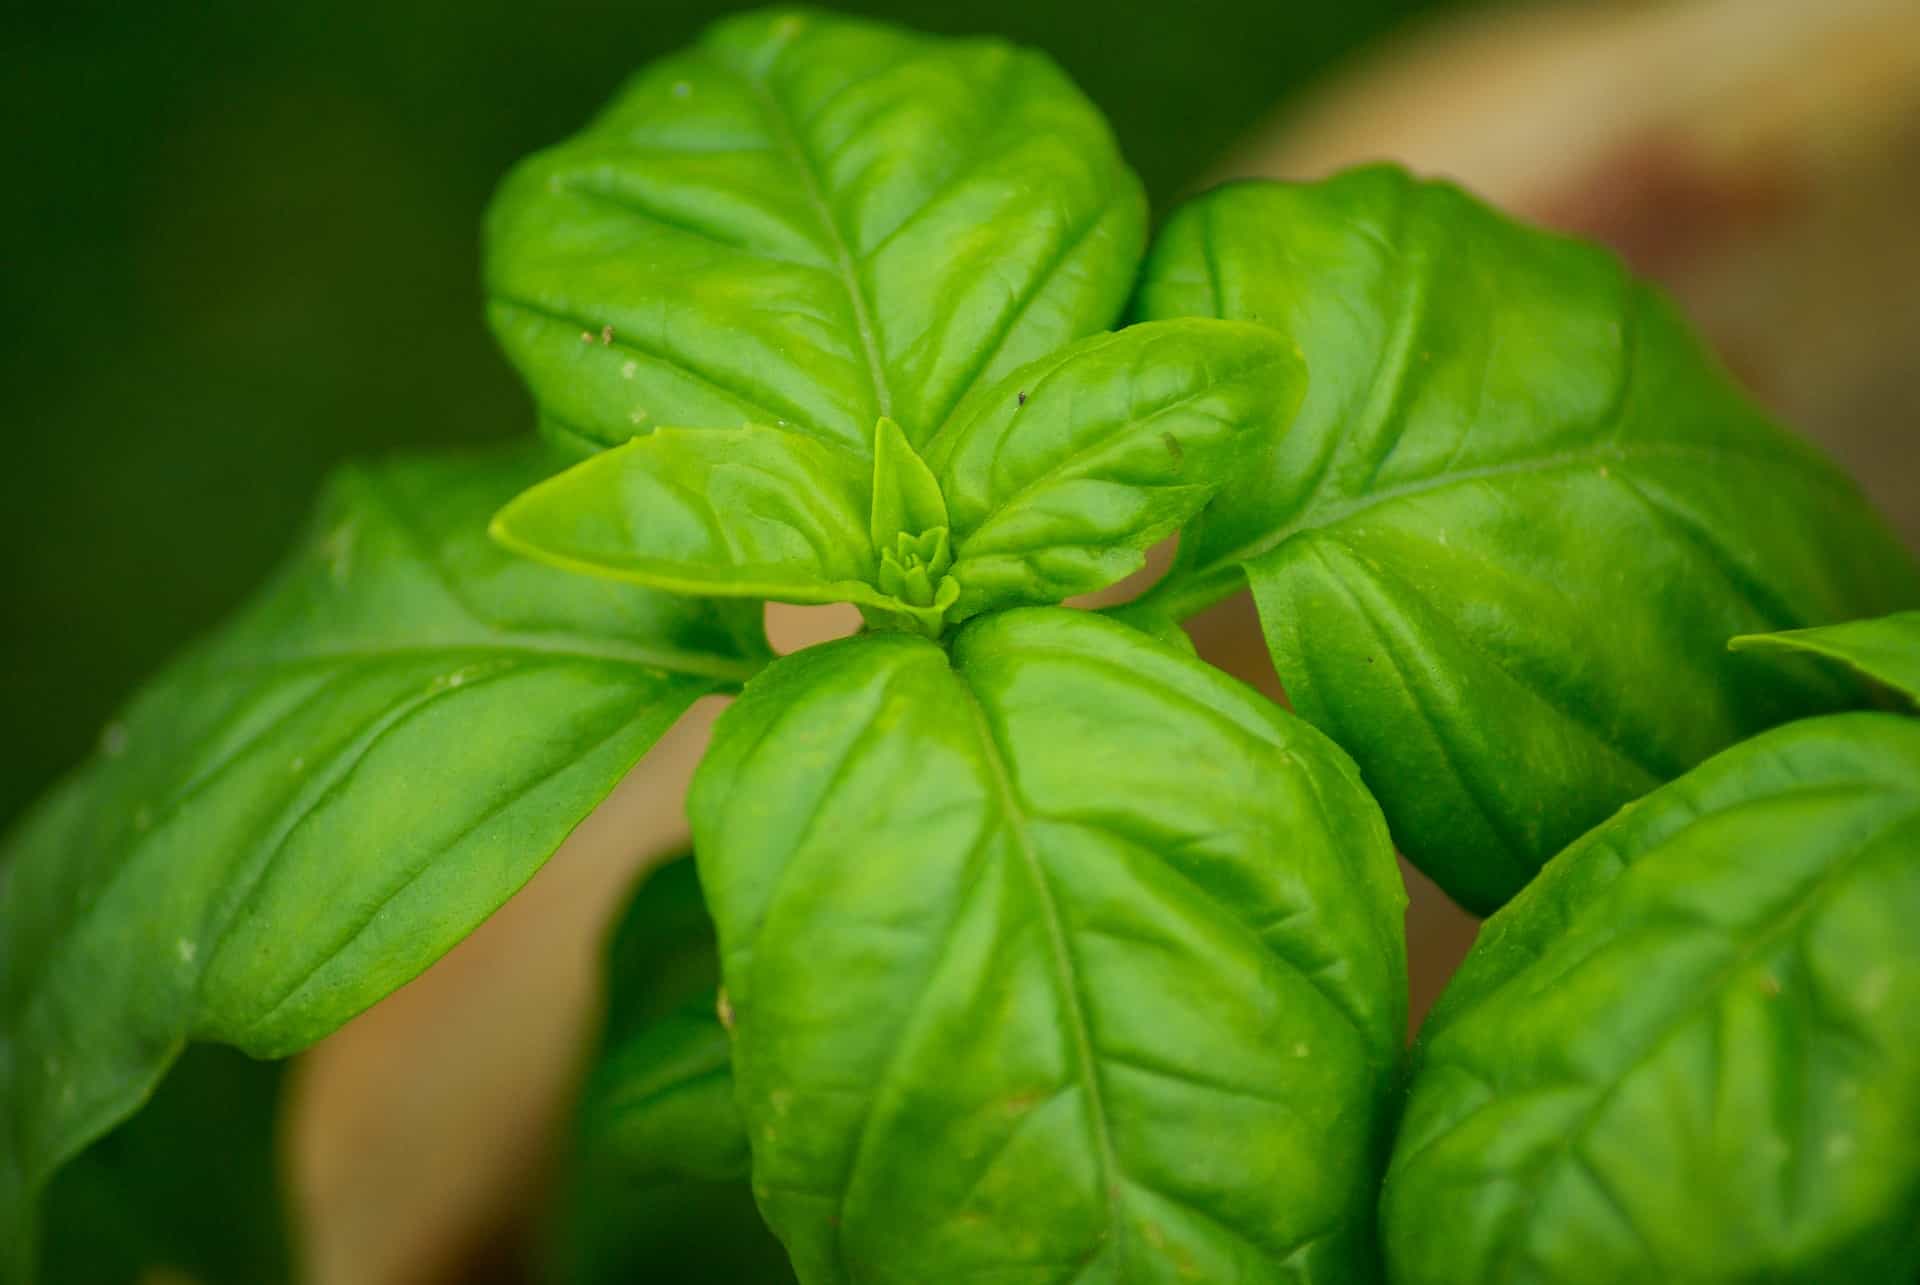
x=1761, y=157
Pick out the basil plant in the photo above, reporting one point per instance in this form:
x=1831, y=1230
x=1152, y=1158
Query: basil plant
x=1025, y=946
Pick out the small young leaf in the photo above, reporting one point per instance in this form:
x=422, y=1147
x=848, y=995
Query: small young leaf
x=1061, y=476
x=1689, y=1050
x=1519, y=515
x=656, y=1183
x=906, y=498
x=321, y=799
x=810, y=221
x=1066, y=958
x=1885, y=649
x=745, y=512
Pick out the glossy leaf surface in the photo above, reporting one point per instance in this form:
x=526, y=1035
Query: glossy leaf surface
x=1063, y=959
x=1061, y=476
x=322, y=798
x=656, y=1187
x=810, y=221
x=1690, y=1050
x=1519, y=515
x=1885, y=649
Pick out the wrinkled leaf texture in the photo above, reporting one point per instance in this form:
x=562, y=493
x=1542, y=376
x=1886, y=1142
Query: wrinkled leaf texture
x=1498, y=555
x=1690, y=1050
x=1064, y=958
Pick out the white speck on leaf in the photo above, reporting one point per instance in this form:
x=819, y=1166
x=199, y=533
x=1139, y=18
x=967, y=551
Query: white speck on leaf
x=606, y=336
x=723, y=1008
x=186, y=950
x=299, y=763
x=113, y=739
x=586, y=336
x=1301, y=1050
x=1839, y=1146
x=1874, y=987
x=638, y=415
x=629, y=369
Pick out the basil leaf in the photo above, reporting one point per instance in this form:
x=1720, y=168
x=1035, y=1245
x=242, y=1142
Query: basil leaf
x=1516, y=520
x=190, y=1186
x=1059, y=478
x=656, y=1185
x=810, y=221
x=906, y=495
x=747, y=512
x=1886, y=649
x=1068, y=957
x=1690, y=1050
x=321, y=799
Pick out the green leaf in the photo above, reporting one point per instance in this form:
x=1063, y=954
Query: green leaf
x=321, y=799
x=1498, y=554
x=1060, y=477
x=1885, y=649
x=190, y=1186
x=810, y=221
x=656, y=1185
x=748, y=512
x=1067, y=958
x=906, y=496
x=1690, y=1050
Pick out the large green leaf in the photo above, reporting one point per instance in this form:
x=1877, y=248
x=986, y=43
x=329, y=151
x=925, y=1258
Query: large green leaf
x=1064, y=959
x=1690, y=1050
x=1058, y=478
x=1500, y=552
x=809, y=221
x=1885, y=649
x=313, y=805
x=656, y=1186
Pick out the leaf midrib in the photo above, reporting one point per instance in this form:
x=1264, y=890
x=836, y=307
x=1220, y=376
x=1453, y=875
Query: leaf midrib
x=1065, y=974
x=788, y=139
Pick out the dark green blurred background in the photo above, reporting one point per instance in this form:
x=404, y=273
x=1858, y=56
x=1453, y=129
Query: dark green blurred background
x=240, y=244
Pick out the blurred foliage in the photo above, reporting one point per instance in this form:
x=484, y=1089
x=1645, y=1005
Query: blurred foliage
x=189, y=1184
x=241, y=245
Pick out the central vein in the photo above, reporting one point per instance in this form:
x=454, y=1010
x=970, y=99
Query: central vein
x=816, y=194
x=1066, y=974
